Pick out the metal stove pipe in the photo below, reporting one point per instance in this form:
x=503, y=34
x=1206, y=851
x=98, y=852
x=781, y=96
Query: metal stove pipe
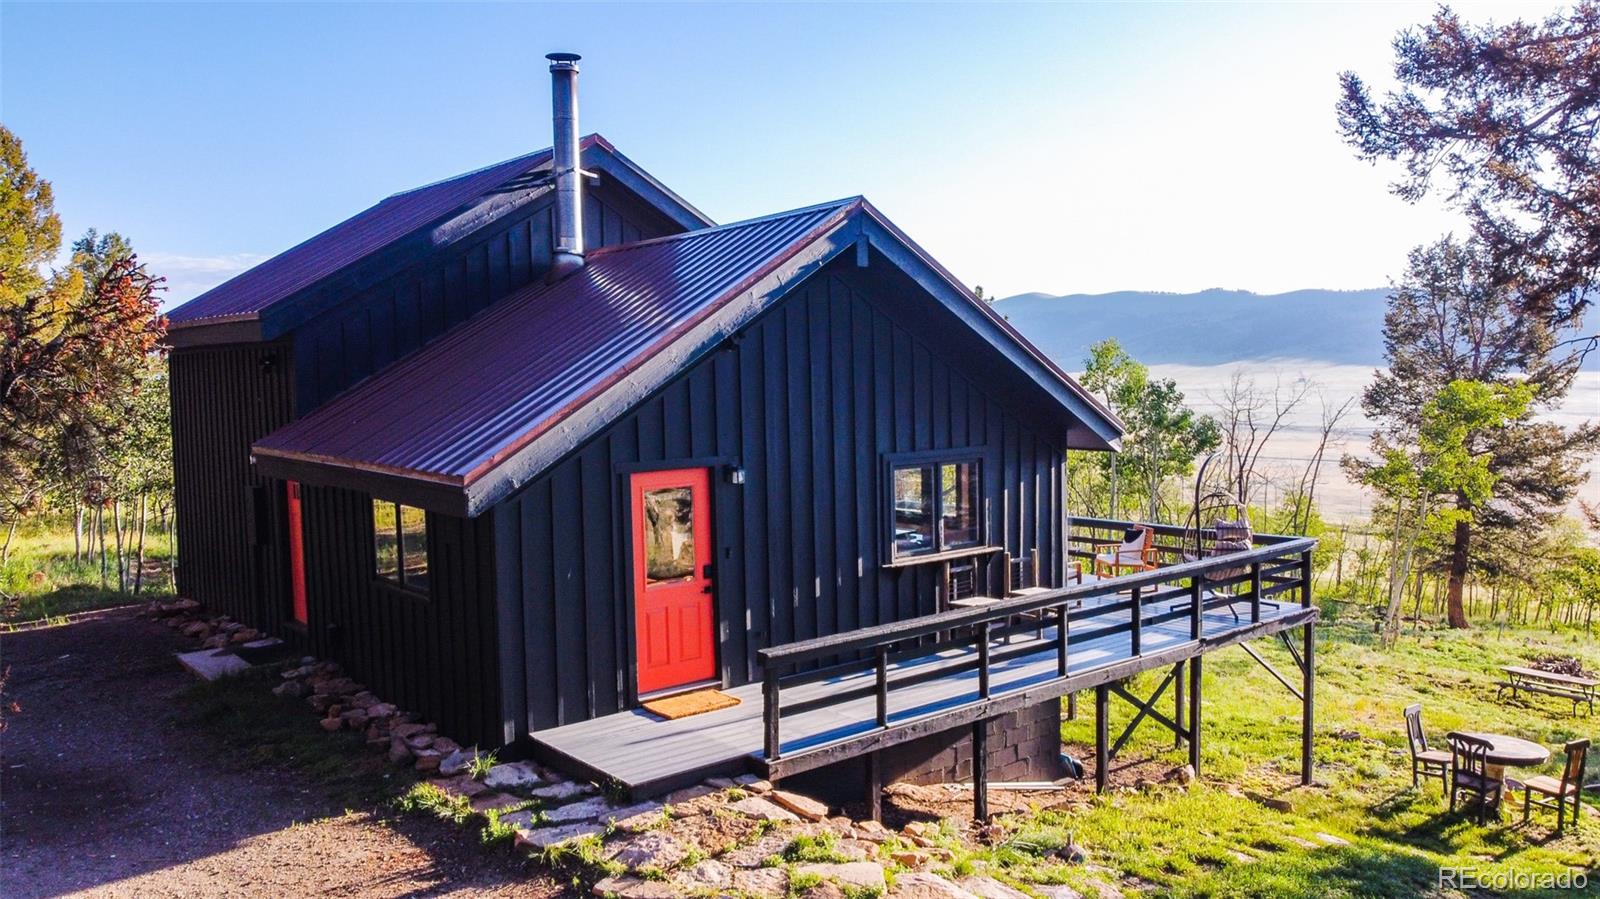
x=565, y=164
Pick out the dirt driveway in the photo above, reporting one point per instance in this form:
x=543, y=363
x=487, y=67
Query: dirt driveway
x=105, y=792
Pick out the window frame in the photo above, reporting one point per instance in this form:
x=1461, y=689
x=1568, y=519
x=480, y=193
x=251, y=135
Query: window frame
x=398, y=581
x=932, y=461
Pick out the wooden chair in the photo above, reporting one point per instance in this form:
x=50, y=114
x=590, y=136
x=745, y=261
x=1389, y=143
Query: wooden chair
x=1425, y=762
x=1570, y=786
x=961, y=587
x=1135, y=554
x=1469, y=773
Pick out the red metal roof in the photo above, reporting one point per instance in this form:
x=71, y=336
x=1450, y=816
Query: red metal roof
x=251, y=292
x=456, y=408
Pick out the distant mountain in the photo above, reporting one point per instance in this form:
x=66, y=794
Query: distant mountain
x=1211, y=327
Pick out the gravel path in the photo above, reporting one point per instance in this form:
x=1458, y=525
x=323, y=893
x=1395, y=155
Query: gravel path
x=103, y=794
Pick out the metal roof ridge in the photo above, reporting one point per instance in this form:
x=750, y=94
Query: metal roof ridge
x=477, y=171
x=715, y=229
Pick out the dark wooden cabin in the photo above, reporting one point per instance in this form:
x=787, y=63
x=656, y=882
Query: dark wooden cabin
x=529, y=446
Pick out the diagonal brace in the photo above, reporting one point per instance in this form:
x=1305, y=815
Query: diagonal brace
x=1146, y=708
x=1293, y=652
x=1272, y=671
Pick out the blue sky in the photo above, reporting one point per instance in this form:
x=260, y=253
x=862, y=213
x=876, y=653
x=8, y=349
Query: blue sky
x=1060, y=148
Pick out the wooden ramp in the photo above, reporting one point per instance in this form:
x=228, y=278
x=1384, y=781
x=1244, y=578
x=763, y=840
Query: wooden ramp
x=644, y=754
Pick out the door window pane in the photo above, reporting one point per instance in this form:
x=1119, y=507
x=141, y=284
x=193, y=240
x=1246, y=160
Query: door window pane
x=668, y=534
x=913, y=511
x=958, y=483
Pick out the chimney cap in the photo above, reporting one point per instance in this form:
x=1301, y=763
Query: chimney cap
x=559, y=61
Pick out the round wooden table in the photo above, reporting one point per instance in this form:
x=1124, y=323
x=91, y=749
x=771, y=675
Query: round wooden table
x=1512, y=752
x=1508, y=752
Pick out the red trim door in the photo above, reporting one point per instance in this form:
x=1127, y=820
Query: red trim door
x=674, y=627
x=297, y=553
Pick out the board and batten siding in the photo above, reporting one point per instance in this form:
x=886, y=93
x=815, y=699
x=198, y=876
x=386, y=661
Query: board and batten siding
x=231, y=549
x=232, y=525
x=807, y=400
x=378, y=321
x=430, y=653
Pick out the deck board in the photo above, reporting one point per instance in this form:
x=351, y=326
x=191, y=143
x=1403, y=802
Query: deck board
x=641, y=752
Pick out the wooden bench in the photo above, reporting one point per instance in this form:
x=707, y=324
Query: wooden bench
x=1577, y=690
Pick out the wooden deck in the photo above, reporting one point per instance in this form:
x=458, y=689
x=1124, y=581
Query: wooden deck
x=644, y=754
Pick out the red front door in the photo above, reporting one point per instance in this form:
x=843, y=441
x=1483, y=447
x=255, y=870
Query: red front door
x=297, y=553
x=673, y=622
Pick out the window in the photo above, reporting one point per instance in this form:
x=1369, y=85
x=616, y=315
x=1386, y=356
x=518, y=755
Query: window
x=937, y=506
x=668, y=535
x=400, y=542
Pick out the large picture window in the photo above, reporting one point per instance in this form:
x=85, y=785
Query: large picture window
x=400, y=541
x=937, y=505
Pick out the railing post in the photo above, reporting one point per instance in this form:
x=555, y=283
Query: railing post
x=883, y=686
x=983, y=660
x=1061, y=640
x=1255, y=592
x=1197, y=593
x=769, y=693
x=1137, y=621
x=1305, y=579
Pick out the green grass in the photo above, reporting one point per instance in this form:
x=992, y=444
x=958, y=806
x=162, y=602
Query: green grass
x=253, y=729
x=42, y=581
x=1176, y=842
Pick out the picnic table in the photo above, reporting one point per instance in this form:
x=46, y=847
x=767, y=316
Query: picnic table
x=1579, y=690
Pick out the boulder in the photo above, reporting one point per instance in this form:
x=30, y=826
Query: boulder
x=445, y=745
x=561, y=790
x=381, y=710
x=703, y=876
x=458, y=786
x=587, y=810
x=332, y=724
x=456, y=762
x=804, y=806
x=363, y=700
x=626, y=887
x=513, y=776
x=922, y=885
x=399, y=752
x=290, y=689
x=765, y=882
x=862, y=875
x=489, y=800
x=650, y=850
x=427, y=761
x=989, y=888
x=754, y=854
x=546, y=837
x=759, y=808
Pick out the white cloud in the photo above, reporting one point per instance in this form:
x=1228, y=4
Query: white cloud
x=189, y=276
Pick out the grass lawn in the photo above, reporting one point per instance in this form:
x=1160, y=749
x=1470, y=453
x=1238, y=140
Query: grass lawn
x=41, y=580
x=1213, y=840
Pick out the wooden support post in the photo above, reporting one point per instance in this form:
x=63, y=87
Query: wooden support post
x=1177, y=703
x=1197, y=592
x=1102, y=753
x=1255, y=592
x=1308, y=704
x=875, y=786
x=980, y=770
x=1308, y=671
x=983, y=660
x=1194, y=714
x=883, y=687
x=769, y=695
x=1136, y=622
x=1072, y=706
